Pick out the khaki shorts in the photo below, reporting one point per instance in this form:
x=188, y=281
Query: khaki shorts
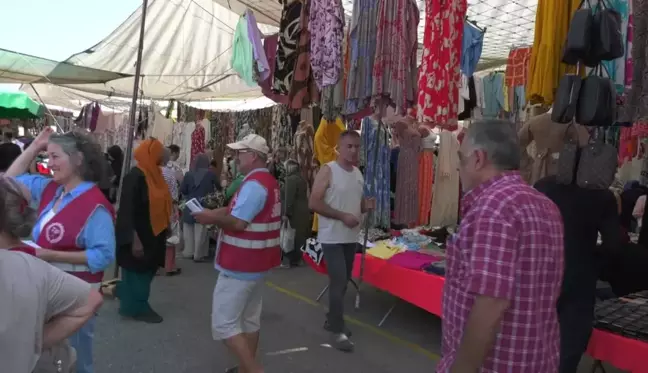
x=236, y=307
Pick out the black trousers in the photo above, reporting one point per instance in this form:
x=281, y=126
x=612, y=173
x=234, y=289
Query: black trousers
x=339, y=263
x=576, y=311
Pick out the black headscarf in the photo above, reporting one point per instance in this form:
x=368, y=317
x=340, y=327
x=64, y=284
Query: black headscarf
x=116, y=160
x=8, y=154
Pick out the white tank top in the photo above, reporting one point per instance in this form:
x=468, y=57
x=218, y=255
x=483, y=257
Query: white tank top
x=344, y=194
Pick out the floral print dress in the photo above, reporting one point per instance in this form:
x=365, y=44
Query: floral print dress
x=326, y=25
x=439, y=75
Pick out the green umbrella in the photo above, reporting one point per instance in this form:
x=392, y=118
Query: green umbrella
x=17, y=105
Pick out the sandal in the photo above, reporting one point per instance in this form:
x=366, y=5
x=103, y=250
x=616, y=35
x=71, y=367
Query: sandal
x=108, y=291
x=174, y=272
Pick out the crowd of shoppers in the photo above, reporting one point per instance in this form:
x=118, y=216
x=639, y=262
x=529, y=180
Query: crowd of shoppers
x=521, y=268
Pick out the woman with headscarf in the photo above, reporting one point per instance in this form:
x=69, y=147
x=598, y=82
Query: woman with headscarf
x=142, y=223
x=116, y=160
x=75, y=226
x=294, y=195
x=197, y=183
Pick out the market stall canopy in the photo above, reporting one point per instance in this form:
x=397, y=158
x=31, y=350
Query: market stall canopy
x=22, y=68
x=187, y=51
x=508, y=23
x=18, y=105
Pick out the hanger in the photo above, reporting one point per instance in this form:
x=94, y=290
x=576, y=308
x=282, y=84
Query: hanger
x=474, y=24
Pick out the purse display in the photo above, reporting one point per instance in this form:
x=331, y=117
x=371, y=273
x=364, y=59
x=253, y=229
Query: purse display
x=568, y=159
x=597, y=165
x=596, y=100
x=579, y=37
x=608, y=39
x=566, y=102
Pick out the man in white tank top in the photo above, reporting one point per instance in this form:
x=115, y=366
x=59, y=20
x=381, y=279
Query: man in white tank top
x=337, y=197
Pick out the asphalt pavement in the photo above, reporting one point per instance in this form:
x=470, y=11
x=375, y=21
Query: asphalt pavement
x=292, y=338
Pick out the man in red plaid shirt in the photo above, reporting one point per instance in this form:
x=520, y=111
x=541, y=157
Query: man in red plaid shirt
x=504, y=264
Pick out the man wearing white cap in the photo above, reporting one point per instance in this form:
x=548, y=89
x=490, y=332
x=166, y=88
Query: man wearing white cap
x=248, y=248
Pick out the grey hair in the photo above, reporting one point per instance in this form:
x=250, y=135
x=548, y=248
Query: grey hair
x=499, y=140
x=292, y=166
x=78, y=144
x=18, y=217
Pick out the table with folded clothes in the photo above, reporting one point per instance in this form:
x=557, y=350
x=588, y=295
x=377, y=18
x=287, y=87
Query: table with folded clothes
x=620, y=335
x=410, y=266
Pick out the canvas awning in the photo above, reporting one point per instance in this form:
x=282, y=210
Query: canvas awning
x=187, y=51
x=187, y=46
x=22, y=68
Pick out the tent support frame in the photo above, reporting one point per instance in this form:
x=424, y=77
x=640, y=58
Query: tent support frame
x=133, y=111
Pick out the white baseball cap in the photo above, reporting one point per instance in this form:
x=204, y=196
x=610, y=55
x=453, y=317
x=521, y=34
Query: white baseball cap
x=251, y=142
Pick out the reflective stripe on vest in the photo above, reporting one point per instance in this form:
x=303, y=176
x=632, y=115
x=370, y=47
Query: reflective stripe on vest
x=263, y=227
x=250, y=244
x=81, y=271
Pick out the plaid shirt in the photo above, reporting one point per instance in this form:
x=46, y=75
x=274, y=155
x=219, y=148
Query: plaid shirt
x=509, y=246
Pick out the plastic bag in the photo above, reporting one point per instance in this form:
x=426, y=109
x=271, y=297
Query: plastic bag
x=287, y=238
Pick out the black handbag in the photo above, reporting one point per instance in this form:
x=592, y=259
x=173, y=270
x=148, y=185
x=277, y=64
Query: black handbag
x=568, y=158
x=566, y=102
x=579, y=37
x=597, y=165
x=597, y=100
x=608, y=42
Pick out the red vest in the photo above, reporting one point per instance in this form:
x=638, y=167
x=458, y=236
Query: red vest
x=62, y=231
x=256, y=249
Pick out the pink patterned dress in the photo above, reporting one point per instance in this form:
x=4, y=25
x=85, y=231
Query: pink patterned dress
x=394, y=69
x=326, y=25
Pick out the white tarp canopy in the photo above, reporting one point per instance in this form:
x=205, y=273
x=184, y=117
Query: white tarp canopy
x=187, y=51
x=188, y=46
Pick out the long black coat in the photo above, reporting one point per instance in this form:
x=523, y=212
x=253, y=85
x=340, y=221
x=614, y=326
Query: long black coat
x=133, y=216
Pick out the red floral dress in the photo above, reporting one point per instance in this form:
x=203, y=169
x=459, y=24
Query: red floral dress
x=439, y=74
x=197, y=141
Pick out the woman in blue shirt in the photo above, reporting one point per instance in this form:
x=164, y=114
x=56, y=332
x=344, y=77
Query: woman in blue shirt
x=75, y=225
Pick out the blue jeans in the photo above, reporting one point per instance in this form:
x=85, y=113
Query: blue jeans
x=82, y=343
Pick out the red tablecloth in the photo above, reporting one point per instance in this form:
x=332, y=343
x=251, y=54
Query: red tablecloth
x=425, y=290
x=624, y=353
x=422, y=289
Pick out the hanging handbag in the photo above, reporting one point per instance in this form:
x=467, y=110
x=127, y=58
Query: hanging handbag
x=597, y=100
x=566, y=102
x=579, y=37
x=568, y=159
x=608, y=43
x=597, y=165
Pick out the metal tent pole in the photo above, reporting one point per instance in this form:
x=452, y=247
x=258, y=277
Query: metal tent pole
x=371, y=214
x=131, y=133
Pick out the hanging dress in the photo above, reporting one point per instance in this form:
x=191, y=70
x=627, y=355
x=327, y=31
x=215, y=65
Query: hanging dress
x=326, y=25
x=287, y=49
x=406, y=209
x=545, y=68
x=426, y=178
x=302, y=90
x=445, y=195
x=362, y=48
x=394, y=69
x=377, y=175
x=439, y=75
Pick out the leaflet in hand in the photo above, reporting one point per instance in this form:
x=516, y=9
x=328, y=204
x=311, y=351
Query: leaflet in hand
x=193, y=205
